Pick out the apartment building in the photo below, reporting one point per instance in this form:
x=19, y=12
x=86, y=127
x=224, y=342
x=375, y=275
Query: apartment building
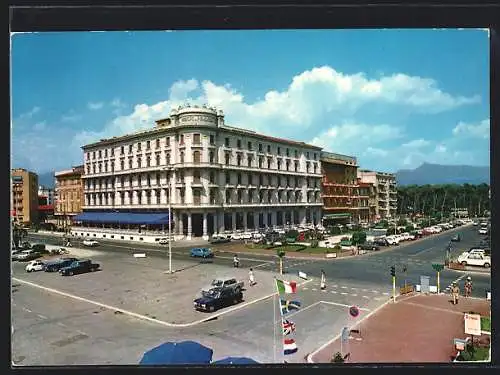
x=345, y=197
x=68, y=195
x=47, y=194
x=214, y=177
x=24, y=187
x=385, y=192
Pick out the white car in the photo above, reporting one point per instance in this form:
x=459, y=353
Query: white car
x=483, y=231
x=35, y=265
x=163, y=241
x=90, y=243
x=246, y=236
x=474, y=259
x=476, y=223
x=392, y=240
x=236, y=236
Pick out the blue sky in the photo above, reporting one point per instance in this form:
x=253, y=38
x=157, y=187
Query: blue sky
x=392, y=98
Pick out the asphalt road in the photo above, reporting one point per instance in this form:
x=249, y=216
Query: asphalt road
x=51, y=329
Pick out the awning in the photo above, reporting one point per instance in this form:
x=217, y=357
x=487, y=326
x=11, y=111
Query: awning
x=337, y=216
x=122, y=217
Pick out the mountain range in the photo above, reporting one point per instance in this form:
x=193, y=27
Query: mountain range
x=46, y=179
x=436, y=174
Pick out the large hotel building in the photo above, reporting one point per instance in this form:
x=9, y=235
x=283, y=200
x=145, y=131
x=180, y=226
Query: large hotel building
x=213, y=176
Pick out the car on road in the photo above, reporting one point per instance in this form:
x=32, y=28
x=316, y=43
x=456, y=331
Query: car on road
x=216, y=299
x=369, y=246
x=163, y=241
x=220, y=239
x=35, y=265
x=79, y=266
x=56, y=265
x=90, y=243
x=483, y=231
x=456, y=238
x=27, y=255
x=201, y=252
x=474, y=259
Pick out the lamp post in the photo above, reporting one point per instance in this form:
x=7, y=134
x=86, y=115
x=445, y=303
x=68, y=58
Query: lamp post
x=169, y=219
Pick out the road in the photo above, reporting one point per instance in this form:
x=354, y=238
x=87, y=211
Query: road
x=79, y=333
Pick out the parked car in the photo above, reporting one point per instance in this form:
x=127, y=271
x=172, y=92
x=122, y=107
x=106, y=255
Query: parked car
x=219, y=239
x=392, y=240
x=56, y=265
x=90, y=243
x=27, y=255
x=474, y=259
x=381, y=241
x=483, y=231
x=35, y=265
x=226, y=283
x=456, y=238
x=39, y=247
x=215, y=299
x=79, y=266
x=369, y=246
x=201, y=252
x=163, y=241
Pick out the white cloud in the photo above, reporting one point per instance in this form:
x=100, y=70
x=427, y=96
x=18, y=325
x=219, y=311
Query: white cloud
x=71, y=117
x=30, y=113
x=95, y=106
x=416, y=144
x=39, y=126
x=480, y=130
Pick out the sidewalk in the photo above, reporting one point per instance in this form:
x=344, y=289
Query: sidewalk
x=418, y=328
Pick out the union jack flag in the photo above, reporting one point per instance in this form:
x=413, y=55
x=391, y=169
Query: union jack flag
x=288, y=327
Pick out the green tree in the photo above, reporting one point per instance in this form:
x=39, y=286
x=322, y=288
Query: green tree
x=358, y=238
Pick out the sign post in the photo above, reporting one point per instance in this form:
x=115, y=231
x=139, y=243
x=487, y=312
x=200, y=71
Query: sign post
x=393, y=274
x=438, y=268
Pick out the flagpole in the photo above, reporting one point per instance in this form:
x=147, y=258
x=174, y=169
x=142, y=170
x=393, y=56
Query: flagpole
x=274, y=327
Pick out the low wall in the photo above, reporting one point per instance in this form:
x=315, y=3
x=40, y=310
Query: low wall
x=120, y=236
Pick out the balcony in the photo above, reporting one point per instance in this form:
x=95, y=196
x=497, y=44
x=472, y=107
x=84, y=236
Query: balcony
x=197, y=183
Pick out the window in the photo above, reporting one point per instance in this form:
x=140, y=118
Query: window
x=287, y=152
x=238, y=160
x=228, y=196
x=105, y=152
x=139, y=180
x=212, y=139
x=148, y=145
x=167, y=141
x=139, y=163
x=88, y=155
x=238, y=143
x=122, y=150
x=315, y=167
x=308, y=166
x=279, y=150
x=196, y=139
x=296, y=153
x=239, y=178
x=197, y=157
x=279, y=164
x=167, y=157
x=261, y=196
x=249, y=144
x=93, y=154
x=105, y=167
x=261, y=161
x=181, y=157
x=269, y=163
x=100, y=167
x=122, y=165
x=260, y=147
x=240, y=197
x=112, y=152
x=181, y=141
x=307, y=154
x=157, y=143
x=129, y=149
x=196, y=177
x=212, y=178
x=212, y=157
x=227, y=158
x=296, y=166
x=288, y=165
x=261, y=180
x=139, y=145
x=157, y=178
x=249, y=161
x=157, y=160
x=122, y=181
x=269, y=148
x=279, y=180
x=226, y=142
x=100, y=154
x=315, y=156
x=228, y=178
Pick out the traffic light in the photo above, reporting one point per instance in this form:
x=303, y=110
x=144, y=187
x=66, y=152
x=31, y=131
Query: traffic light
x=393, y=271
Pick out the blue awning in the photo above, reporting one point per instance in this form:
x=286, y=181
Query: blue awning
x=122, y=217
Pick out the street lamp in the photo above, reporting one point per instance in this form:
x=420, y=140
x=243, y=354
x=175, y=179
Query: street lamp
x=169, y=219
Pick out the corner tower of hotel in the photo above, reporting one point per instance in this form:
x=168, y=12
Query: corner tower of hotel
x=213, y=176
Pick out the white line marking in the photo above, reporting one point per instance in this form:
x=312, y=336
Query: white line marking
x=385, y=294
x=343, y=287
x=333, y=291
x=27, y=310
x=314, y=289
x=81, y=332
x=143, y=317
x=306, y=288
x=342, y=304
x=335, y=285
x=344, y=294
x=260, y=265
x=354, y=295
x=365, y=290
x=366, y=297
x=323, y=290
x=42, y=316
x=301, y=310
x=374, y=291
x=61, y=324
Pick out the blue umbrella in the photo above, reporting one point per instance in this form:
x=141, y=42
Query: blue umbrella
x=235, y=361
x=184, y=352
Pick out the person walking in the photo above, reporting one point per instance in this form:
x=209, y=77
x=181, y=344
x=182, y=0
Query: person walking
x=455, y=292
x=323, y=280
x=468, y=287
x=236, y=261
x=251, y=277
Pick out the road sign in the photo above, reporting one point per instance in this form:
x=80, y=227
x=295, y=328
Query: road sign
x=354, y=311
x=437, y=267
x=472, y=324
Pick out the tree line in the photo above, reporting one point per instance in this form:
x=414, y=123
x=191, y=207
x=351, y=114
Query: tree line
x=434, y=200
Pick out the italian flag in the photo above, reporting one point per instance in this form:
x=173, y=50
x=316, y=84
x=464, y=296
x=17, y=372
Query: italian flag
x=286, y=287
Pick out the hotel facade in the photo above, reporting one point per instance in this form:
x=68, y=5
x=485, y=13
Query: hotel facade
x=386, y=195
x=214, y=177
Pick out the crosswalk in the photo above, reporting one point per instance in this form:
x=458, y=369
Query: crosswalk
x=348, y=291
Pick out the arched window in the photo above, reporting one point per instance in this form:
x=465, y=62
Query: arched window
x=196, y=157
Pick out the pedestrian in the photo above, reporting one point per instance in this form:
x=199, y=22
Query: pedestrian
x=251, y=277
x=455, y=292
x=468, y=287
x=323, y=280
x=236, y=261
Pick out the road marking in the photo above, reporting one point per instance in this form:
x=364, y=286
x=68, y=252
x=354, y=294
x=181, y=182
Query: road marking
x=27, y=310
x=333, y=291
x=314, y=289
x=343, y=293
x=343, y=287
x=42, y=316
x=61, y=324
x=374, y=291
x=423, y=251
x=354, y=288
x=301, y=310
x=260, y=265
x=306, y=288
x=323, y=290
x=433, y=308
x=354, y=295
x=366, y=297
x=342, y=304
x=385, y=294
x=335, y=285
x=144, y=317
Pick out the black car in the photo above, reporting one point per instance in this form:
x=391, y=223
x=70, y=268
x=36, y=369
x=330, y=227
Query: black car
x=79, y=266
x=456, y=238
x=217, y=298
x=381, y=242
x=369, y=246
x=55, y=266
